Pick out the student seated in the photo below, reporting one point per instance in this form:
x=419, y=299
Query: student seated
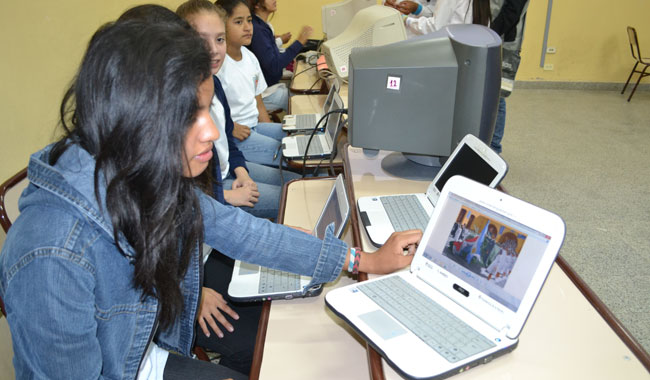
x=272, y=61
x=114, y=285
x=254, y=187
x=243, y=83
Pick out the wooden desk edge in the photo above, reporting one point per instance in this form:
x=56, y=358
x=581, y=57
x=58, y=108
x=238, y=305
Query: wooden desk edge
x=375, y=364
x=260, y=338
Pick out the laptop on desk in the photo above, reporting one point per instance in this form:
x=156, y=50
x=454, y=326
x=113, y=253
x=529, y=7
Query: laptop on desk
x=475, y=276
x=382, y=215
x=307, y=122
x=322, y=144
x=252, y=282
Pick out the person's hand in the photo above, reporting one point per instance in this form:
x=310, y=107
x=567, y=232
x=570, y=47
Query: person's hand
x=390, y=3
x=210, y=312
x=407, y=7
x=242, y=196
x=305, y=33
x=241, y=132
x=395, y=254
x=243, y=179
x=285, y=37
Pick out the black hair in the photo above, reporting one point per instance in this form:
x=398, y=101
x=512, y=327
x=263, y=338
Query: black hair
x=130, y=106
x=230, y=5
x=151, y=14
x=481, y=13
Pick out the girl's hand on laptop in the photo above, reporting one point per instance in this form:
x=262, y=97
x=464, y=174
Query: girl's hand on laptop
x=210, y=312
x=240, y=131
x=390, y=257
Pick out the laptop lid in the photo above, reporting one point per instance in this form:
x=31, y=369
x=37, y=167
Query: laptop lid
x=333, y=120
x=472, y=159
x=489, y=252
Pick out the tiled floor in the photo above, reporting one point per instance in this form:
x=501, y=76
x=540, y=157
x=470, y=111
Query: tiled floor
x=586, y=156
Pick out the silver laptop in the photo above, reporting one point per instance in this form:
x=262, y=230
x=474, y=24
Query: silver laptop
x=252, y=282
x=382, y=215
x=322, y=144
x=475, y=276
x=307, y=122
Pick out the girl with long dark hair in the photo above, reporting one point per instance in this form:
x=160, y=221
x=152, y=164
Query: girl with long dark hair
x=101, y=272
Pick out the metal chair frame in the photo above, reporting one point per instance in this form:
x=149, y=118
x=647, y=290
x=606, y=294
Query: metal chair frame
x=636, y=54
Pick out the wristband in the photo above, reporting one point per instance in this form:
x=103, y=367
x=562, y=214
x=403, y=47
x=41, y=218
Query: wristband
x=357, y=258
x=351, y=260
x=419, y=10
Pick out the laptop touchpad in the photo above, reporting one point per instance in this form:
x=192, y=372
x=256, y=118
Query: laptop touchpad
x=246, y=268
x=382, y=324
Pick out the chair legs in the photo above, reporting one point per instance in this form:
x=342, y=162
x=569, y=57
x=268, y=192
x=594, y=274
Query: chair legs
x=642, y=74
x=630, y=77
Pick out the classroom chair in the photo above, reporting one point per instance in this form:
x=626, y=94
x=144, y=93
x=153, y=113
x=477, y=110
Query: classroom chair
x=636, y=54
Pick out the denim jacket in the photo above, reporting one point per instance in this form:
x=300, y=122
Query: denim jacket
x=72, y=309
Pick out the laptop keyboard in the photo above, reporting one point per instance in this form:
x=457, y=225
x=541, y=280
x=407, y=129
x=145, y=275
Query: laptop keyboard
x=441, y=330
x=272, y=281
x=314, y=148
x=405, y=212
x=305, y=121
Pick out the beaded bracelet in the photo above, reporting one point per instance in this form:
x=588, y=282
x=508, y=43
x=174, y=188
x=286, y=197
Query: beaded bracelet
x=357, y=258
x=353, y=252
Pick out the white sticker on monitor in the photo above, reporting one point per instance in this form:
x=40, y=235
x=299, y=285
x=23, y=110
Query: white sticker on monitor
x=393, y=83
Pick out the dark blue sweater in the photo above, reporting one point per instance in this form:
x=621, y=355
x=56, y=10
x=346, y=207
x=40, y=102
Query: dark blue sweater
x=267, y=53
x=235, y=156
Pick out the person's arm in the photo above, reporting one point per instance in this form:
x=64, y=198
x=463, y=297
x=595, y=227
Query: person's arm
x=58, y=292
x=446, y=13
x=245, y=237
x=261, y=108
x=271, y=60
x=508, y=17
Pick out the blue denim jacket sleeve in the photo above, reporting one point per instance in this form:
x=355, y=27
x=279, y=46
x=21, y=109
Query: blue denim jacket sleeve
x=244, y=237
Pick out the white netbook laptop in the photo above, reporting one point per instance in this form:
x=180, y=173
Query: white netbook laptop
x=322, y=144
x=473, y=281
x=307, y=122
x=251, y=282
x=383, y=215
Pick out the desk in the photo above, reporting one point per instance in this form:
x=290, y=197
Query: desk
x=305, y=79
x=566, y=336
x=303, y=333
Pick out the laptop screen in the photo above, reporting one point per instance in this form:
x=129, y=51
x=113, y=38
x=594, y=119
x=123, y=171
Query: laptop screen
x=491, y=252
x=468, y=164
x=331, y=213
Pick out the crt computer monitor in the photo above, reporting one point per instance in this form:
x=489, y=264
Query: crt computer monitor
x=423, y=95
x=336, y=17
x=373, y=26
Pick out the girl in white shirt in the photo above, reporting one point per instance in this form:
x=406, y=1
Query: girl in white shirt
x=243, y=82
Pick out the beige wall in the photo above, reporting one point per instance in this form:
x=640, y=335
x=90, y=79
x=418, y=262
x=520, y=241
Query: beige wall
x=42, y=43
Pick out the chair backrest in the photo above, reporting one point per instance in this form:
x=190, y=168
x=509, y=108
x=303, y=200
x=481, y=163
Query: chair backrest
x=10, y=191
x=634, y=43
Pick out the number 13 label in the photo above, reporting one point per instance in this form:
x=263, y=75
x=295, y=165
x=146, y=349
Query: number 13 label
x=393, y=83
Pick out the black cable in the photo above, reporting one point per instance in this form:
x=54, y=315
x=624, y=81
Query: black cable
x=313, y=132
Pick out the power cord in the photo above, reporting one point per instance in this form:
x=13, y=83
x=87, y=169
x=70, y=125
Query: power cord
x=343, y=111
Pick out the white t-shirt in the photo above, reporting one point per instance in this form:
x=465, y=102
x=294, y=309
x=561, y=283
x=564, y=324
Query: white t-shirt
x=218, y=115
x=153, y=364
x=242, y=81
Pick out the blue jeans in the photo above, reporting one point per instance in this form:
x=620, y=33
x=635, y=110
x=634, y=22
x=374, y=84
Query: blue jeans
x=269, y=185
x=499, y=126
x=279, y=99
x=262, y=146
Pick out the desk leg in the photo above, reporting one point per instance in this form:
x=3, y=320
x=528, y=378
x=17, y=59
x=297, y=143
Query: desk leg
x=259, y=341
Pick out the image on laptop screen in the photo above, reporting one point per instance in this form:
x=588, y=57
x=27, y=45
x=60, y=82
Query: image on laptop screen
x=490, y=252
